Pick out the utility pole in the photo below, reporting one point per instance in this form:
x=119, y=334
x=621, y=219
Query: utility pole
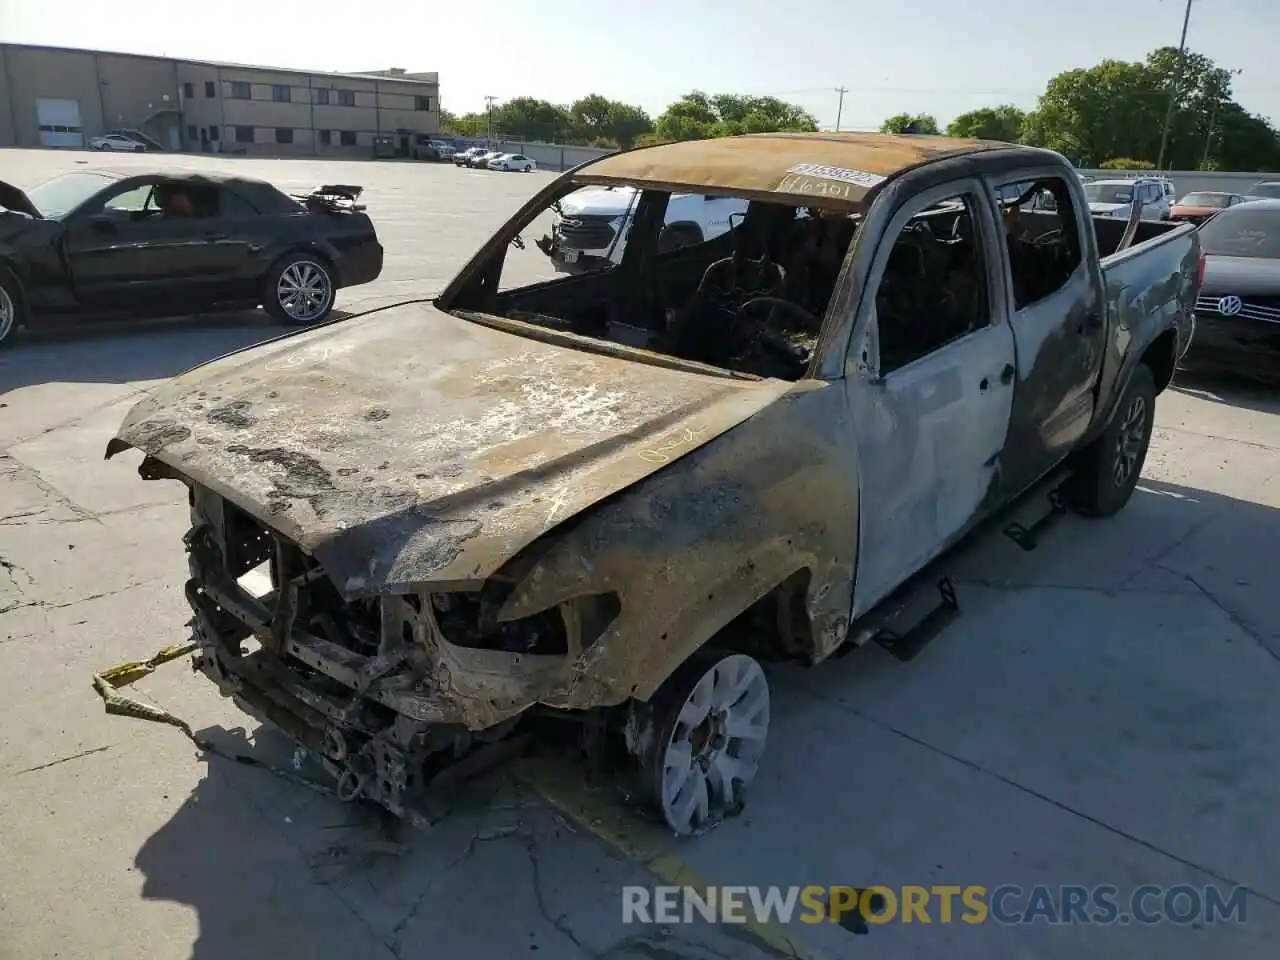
x=1177, y=82
x=840, y=106
x=488, y=137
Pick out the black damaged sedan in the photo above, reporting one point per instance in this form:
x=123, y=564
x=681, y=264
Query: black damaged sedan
x=101, y=244
x=1238, y=311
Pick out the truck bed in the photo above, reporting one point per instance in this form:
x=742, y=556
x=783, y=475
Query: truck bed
x=1109, y=230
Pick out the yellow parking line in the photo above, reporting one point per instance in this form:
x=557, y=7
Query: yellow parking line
x=561, y=785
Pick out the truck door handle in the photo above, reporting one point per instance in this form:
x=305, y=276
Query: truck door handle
x=1006, y=375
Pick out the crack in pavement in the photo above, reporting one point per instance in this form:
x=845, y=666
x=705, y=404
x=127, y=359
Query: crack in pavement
x=1228, y=613
x=12, y=570
x=1066, y=808
x=54, y=763
x=50, y=605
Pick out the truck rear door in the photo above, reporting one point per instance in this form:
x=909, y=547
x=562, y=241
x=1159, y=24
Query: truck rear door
x=1054, y=286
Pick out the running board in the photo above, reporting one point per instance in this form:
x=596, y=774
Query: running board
x=1028, y=538
x=907, y=646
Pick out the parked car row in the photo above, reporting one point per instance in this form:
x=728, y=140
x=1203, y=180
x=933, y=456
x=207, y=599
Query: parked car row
x=482, y=158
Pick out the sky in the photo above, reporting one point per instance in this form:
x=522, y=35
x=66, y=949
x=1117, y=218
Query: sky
x=942, y=57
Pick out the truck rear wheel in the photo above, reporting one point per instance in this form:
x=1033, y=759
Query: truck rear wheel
x=1109, y=468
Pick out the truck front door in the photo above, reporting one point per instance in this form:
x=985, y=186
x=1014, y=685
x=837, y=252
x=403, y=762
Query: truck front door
x=930, y=384
x=1050, y=274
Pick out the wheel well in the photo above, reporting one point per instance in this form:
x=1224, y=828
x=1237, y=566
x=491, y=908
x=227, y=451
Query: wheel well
x=775, y=627
x=1161, y=358
x=311, y=252
x=7, y=272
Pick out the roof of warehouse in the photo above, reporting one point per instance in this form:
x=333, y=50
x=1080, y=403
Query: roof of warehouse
x=837, y=168
x=221, y=63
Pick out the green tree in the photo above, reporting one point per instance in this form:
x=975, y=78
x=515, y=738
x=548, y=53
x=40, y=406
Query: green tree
x=1117, y=110
x=528, y=118
x=697, y=116
x=1003, y=123
x=597, y=118
x=899, y=122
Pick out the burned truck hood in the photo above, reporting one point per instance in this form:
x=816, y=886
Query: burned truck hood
x=409, y=446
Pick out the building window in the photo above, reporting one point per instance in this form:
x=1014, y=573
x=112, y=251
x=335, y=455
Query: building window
x=422, y=103
x=284, y=134
x=213, y=132
x=244, y=134
x=347, y=98
x=210, y=88
x=326, y=138
x=188, y=89
x=348, y=138
x=322, y=96
x=240, y=90
x=191, y=131
x=280, y=93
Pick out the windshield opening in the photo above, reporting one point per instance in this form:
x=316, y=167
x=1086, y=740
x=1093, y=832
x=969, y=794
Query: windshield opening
x=1271, y=190
x=1108, y=193
x=1204, y=200
x=1243, y=233
x=57, y=197
x=719, y=281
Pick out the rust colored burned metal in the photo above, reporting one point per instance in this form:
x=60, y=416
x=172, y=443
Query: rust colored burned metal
x=840, y=168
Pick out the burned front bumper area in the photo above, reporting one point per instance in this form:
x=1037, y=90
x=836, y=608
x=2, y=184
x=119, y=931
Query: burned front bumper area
x=370, y=686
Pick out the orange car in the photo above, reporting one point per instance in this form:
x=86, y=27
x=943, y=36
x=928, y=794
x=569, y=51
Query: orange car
x=1199, y=207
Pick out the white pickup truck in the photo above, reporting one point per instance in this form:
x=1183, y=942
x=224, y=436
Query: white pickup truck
x=591, y=225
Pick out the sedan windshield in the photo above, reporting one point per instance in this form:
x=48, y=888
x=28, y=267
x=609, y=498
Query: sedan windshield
x=57, y=197
x=1205, y=200
x=1108, y=193
x=1266, y=190
x=1241, y=232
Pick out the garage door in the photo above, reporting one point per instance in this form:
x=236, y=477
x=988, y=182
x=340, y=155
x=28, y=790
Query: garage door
x=59, y=123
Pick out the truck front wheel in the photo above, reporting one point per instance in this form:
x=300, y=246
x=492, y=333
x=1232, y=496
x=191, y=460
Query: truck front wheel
x=1109, y=468
x=700, y=739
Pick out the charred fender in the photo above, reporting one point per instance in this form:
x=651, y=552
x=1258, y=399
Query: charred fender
x=697, y=544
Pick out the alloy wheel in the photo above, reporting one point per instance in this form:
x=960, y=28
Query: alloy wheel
x=713, y=753
x=8, y=314
x=304, y=290
x=1129, y=443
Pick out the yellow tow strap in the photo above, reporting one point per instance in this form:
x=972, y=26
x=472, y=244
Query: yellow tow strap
x=109, y=681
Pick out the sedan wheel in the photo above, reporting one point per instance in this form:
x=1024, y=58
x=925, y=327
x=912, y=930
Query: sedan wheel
x=302, y=293
x=708, y=733
x=8, y=315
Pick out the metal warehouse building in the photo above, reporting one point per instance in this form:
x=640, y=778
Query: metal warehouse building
x=58, y=97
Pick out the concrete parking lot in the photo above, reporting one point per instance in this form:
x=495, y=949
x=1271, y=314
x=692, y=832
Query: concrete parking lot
x=1106, y=711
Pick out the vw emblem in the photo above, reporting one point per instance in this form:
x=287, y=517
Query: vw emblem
x=1230, y=306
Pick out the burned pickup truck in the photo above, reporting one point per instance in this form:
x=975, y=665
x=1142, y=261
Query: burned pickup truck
x=610, y=496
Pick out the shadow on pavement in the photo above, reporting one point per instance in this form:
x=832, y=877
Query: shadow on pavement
x=1220, y=387
x=132, y=351
x=242, y=850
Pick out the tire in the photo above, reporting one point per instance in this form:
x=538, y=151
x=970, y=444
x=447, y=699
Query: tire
x=696, y=773
x=299, y=272
x=11, y=313
x=505, y=168
x=1109, y=468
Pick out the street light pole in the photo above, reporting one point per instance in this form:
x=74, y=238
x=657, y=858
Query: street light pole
x=1177, y=82
x=840, y=106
